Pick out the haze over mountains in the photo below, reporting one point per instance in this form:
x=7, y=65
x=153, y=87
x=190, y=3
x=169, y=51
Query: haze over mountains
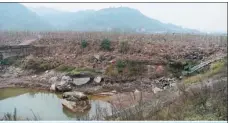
x=15, y=16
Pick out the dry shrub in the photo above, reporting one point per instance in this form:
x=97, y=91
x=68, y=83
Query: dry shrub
x=40, y=64
x=123, y=47
x=201, y=103
x=127, y=68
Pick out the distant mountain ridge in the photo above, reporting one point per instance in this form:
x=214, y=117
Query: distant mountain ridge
x=15, y=16
x=122, y=19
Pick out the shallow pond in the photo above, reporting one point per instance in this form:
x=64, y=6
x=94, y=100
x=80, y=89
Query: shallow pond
x=44, y=105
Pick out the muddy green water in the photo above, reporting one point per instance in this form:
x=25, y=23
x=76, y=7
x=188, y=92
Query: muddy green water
x=44, y=105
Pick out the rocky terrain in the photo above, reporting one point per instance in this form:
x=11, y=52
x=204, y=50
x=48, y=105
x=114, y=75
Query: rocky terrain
x=104, y=64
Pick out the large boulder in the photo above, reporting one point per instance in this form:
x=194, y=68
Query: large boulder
x=81, y=81
x=63, y=87
x=65, y=84
x=80, y=106
x=74, y=96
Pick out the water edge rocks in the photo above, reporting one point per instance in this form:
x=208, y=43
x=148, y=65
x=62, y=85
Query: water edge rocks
x=73, y=106
x=76, y=94
x=75, y=101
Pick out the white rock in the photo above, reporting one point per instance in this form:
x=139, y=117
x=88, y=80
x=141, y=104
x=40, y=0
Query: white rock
x=97, y=56
x=98, y=79
x=156, y=90
x=81, y=81
x=53, y=87
x=173, y=85
x=114, y=91
x=34, y=76
x=136, y=91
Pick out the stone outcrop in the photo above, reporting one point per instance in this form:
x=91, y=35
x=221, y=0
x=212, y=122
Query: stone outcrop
x=163, y=82
x=81, y=81
x=74, y=96
x=65, y=84
x=75, y=101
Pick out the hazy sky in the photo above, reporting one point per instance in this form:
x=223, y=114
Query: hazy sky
x=208, y=17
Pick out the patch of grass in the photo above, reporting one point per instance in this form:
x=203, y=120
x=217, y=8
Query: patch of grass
x=84, y=43
x=74, y=72
x=106, y=44
x=201, y=104
x=215, y=68
x=127, y=68
x=120, y=65
x=135, y=68
x=65, y=68
x=177, y=68
x=11, y=61
x=194, y=79
x=123, y=47
x=111, y=70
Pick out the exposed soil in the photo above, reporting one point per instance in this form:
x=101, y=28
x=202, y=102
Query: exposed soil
x=154, y=55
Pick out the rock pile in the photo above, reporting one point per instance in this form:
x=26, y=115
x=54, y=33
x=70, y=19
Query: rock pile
x=164, y=82
x=67, y=83
x=75, y=101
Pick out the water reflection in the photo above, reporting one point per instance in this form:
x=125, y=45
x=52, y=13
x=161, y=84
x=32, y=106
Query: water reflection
x=74, y=115
x=45, y=105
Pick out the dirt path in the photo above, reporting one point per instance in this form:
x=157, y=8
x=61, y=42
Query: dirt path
x=27, y=42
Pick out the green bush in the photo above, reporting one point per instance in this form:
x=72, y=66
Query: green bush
x=40, y=64
x=120, y=65
x=105, y=44
x=123, y=47
x=84, y=44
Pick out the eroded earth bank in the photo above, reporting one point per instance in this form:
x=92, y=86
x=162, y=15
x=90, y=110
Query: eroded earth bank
x=140, y=74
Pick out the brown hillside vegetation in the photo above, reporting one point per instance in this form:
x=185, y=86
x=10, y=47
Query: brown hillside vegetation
x=153, y=49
